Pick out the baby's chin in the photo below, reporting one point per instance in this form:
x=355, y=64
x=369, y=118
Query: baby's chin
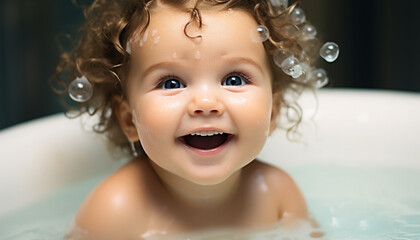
x=209, y=177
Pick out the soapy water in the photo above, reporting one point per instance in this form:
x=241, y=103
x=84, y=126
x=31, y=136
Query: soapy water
x=347, y=202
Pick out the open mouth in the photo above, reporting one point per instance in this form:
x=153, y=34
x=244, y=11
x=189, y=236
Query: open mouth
x=206, y=140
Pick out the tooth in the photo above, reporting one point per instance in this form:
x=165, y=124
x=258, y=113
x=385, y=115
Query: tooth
x=206, y=133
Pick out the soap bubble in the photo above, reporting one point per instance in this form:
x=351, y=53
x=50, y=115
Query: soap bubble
x=263, y=34
x=292, y=67
x=306, y=73
x=298, y=16
x=320, y=77
x=80, y=89
x=280, y=3
x=308, y=31
x=329, y=51
x=280, y=55
x=288, y=63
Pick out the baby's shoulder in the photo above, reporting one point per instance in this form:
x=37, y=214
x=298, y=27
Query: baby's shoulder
x=281, y=186
x=117, y=203
x=272, y=174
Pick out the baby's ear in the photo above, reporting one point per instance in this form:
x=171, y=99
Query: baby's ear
x=125, y=116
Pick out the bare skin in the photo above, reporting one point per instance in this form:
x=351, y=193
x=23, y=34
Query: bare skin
x=179, y=188
x=120, y=208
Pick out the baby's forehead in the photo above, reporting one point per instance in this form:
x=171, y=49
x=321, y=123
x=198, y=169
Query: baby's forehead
x=222, y=31
x=175, y=22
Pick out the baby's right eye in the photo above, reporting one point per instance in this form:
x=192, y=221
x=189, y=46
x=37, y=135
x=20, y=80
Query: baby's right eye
x=171, y=83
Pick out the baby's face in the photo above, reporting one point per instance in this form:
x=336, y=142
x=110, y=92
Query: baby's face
x=219, y=84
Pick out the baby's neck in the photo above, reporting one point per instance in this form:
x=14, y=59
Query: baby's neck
x=200, y=196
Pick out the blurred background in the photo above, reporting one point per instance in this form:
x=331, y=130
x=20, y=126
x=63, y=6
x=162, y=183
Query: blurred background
x=379, y=48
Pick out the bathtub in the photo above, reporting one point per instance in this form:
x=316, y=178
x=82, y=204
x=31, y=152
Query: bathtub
x=350, y=129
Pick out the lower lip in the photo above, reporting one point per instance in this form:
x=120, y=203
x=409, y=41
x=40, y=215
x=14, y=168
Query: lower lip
x=209, y=152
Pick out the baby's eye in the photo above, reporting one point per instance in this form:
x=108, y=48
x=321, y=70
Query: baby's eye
x=234, y=80
x=171, y=84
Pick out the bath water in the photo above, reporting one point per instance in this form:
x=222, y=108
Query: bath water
x=347, y=202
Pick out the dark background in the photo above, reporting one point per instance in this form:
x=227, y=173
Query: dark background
x=379, y=42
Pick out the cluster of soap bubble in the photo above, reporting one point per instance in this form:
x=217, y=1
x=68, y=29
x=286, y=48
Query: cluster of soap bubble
x=80, y=89
x=286, y=60
x=288, y=63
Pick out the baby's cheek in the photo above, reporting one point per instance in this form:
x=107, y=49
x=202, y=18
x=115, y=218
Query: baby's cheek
x=252, y=109
x=157, y=116
x=254, y=118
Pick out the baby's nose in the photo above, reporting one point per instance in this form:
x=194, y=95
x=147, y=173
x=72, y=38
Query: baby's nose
x=205, y=105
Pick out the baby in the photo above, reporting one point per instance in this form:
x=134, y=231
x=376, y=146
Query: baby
x=193, y=88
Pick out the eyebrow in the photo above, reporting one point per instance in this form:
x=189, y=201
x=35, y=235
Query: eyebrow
x=246, y=61
x=160, y=65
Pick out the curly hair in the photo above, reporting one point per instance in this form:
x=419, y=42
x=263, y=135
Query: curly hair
x=100, y=54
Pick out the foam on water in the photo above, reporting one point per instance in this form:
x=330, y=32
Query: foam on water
x=348, y=203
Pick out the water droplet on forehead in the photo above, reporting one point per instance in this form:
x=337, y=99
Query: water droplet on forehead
x=80, y=89
x=174, y=56
x=298, y=16
x=329, y=51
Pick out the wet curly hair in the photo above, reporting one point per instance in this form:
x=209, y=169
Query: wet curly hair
x=101, y=56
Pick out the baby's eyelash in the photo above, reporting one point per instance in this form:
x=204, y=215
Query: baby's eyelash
x=241, y=74
x=163, y=78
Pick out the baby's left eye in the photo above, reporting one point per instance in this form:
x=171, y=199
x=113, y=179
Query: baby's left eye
x=234, y=80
